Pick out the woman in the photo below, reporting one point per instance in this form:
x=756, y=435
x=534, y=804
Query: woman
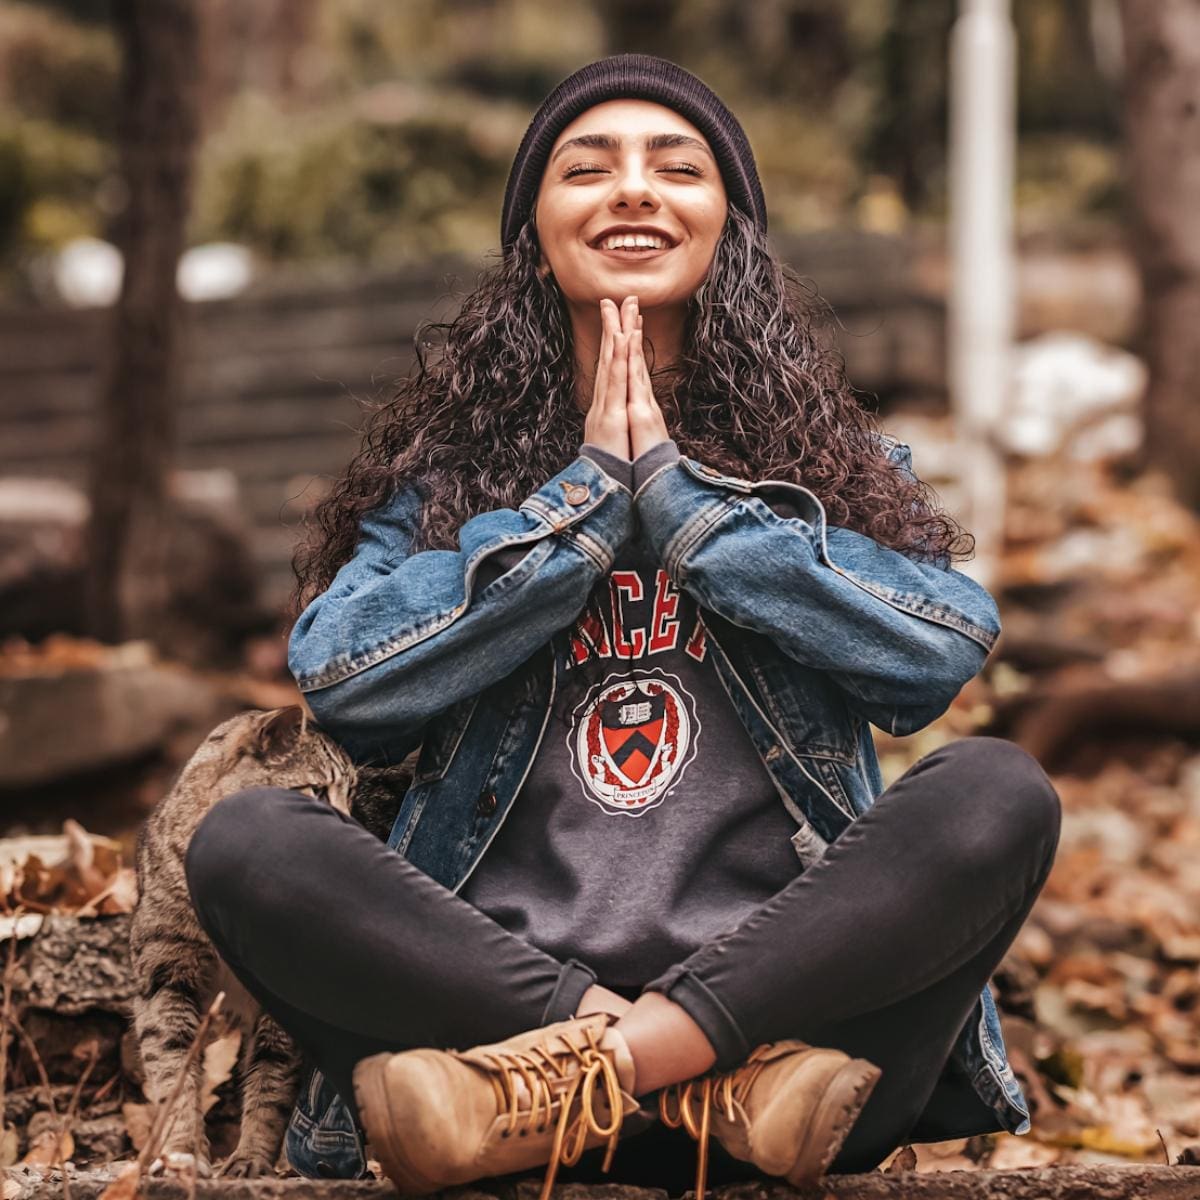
x=637, y=573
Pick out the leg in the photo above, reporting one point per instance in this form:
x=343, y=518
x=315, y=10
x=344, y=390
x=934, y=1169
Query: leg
x=178, y=970
x=916, y=902
x=911, y=1042
x=270, y=1074
x=353, y=949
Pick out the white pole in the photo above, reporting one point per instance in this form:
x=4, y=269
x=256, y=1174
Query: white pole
x=981, y=301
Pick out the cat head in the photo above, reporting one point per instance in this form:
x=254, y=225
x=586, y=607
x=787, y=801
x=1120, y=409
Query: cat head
x=281, y=747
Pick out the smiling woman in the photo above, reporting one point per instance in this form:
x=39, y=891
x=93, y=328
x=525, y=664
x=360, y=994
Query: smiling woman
x=635, y=571
x=631, y=204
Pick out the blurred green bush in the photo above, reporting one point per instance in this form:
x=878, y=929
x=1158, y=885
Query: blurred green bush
x=373, y=129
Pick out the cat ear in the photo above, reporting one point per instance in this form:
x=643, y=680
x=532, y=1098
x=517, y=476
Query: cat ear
x=280, y=730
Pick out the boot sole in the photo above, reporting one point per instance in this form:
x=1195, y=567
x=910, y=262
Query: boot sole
x=833, y=1119
x=378, y=1118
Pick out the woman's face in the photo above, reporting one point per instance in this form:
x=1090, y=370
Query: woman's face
x=634, y=164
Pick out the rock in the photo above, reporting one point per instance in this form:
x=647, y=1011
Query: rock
x=74, y=986
x=101, y=1139
x=213, y=602
x=76, y=965
x=59, y=724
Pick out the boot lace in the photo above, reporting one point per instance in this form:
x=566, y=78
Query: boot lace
x=726, y=1089
x=564, y=1087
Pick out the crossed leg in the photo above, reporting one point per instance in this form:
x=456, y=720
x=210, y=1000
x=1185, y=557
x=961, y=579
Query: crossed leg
x=880, y=950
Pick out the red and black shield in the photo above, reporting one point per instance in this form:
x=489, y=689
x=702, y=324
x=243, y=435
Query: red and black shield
x=632, y=729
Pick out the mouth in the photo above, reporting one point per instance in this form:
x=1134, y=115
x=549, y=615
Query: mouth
x=634, y=253
x=633, y=243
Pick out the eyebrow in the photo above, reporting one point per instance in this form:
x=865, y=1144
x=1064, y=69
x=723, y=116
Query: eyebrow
x=654, y=141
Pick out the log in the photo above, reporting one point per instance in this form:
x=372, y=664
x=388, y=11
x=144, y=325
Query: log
x=77, y=965
x=1044, y=1183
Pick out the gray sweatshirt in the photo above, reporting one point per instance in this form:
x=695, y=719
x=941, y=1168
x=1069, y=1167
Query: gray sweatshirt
x=647, y=823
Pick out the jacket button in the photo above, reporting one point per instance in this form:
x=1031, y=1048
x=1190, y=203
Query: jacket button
x=577, y=493
x=486, y=804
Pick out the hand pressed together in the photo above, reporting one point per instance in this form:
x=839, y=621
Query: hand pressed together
x=624, y=417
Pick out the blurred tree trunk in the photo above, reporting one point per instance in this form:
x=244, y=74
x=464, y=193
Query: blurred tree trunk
x=126, y=586
x=907, y=133
x=1162, y=141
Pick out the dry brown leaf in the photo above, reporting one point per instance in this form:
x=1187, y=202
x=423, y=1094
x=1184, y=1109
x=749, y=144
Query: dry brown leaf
x=60, y=652
x=122, y=893
x=77, y=872
x=138, y=1119
x=1011, y=1153
x=220, y=1055
x=124, y=1187
x=9, y=1145
x=1110, y=1141
x=49, y=1148
x=905, y=1159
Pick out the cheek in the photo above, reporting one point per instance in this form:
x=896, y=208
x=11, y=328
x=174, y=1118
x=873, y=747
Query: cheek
x=560, y=227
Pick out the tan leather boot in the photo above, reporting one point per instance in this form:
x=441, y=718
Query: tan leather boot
x=787, y=1109
x=438, y=1118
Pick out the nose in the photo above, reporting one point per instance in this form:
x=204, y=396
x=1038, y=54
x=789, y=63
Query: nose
x=633, y=186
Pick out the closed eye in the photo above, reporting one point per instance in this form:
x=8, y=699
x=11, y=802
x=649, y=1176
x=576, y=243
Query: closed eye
x=686, y=168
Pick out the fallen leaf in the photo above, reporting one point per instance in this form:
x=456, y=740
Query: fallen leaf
x=9, y=1145
x=1011, y=1153
x=138, y=1119
x=49, y=1148
x=905, y=1159
x=124, y=1187
x=220, y=1055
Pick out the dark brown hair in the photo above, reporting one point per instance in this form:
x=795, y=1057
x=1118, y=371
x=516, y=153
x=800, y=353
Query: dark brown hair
x=757, y=393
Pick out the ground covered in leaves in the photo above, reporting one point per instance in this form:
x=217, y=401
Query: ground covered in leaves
x=1097, y=674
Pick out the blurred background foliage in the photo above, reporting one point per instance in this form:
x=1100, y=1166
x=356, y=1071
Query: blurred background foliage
x=383, y=131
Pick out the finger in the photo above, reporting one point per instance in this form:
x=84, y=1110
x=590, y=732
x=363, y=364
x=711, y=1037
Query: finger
x=604, y=360
x=642, y=367
x=629, y=312
x=641, y=387
x=618, y=373
x=636, y=362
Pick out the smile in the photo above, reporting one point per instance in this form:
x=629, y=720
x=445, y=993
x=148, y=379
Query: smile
x=634, y=252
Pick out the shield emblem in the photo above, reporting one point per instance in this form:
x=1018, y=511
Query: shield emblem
x=631, y=738
x=631, y=732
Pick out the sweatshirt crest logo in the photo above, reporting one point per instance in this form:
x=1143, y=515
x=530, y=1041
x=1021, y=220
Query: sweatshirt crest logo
x=631, y=739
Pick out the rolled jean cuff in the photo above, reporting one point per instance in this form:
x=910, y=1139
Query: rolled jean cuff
x=573, y=980
x=684, y=988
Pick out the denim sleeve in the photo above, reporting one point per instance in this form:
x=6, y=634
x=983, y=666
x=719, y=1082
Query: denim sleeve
x=900, y=637
x=503, y=561
x=397, y=637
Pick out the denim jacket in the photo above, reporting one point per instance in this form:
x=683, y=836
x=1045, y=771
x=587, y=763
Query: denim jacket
x=816, y=633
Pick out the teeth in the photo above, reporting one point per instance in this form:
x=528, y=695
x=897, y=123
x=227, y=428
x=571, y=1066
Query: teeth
x=618, y=240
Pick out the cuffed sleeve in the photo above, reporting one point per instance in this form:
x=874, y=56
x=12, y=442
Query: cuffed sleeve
x=900, y=637
x=646, y=463
x=620, y=469
x=398, y=637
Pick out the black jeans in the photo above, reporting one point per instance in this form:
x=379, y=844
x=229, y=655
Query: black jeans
x=880, y=949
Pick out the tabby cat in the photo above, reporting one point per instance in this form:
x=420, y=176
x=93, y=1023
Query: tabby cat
x=175, y=964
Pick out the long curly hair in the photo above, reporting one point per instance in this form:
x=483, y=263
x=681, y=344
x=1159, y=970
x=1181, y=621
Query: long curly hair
x=757, y=392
